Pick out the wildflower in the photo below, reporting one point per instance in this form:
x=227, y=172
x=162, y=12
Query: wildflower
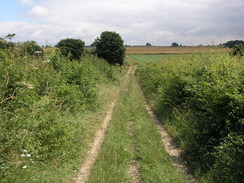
x=47, y=61
x=24, y=167
x=28, y=155
x=22, y=155
x=24, y=151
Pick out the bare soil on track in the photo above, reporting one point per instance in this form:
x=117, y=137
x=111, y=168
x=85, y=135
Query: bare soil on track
x=170, y=146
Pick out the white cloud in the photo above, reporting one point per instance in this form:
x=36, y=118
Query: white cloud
x=27, y=2
x=38, y=11
x=159, y=22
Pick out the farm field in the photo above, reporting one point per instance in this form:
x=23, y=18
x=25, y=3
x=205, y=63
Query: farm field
x=153, y=58
x=137, y=50
x=172, y=50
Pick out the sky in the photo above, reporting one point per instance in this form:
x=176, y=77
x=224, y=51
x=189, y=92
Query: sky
x=158, y=22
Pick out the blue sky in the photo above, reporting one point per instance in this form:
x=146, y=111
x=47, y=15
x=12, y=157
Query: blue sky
x=159, y=22
x=9, y=10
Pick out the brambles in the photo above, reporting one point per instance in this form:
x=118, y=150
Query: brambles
x=74, y=47
x=3, y=44
x=110, y=47
x=238, y=50
x=36, y=97
x=31, y=48
x=200, y=98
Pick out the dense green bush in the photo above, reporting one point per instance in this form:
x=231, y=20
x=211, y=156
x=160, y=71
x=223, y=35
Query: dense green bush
x=74, y=47
x=35, y=97
x=238, y=50
x=203, y=98
x=232, y=43
x=229, y=164
x=110, y=47
x=3, y=44
x=31, y=48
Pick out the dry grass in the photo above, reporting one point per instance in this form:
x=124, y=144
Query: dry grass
x=137, y=50
x=172, y=50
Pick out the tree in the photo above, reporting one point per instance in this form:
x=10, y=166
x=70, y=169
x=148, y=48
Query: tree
x=110, y=47
x=148, y=44
x=10, y=36
x=174, y=44
x=93, y=44
x=75, y=47
x=231, y=44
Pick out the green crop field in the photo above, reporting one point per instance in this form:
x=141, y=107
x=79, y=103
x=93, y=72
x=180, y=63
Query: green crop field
x=153, y=58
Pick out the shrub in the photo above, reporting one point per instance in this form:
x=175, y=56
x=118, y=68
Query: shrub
x=231, y=44
x=3, y=44
x=203, y=95
x=229, y=156
x=110, y=47
x=74, y=47
x=30, y=48
x=238, y=50
x=36, y=97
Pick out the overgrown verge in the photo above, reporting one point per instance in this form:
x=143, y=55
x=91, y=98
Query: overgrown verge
x=200, y=100
x=43, y=104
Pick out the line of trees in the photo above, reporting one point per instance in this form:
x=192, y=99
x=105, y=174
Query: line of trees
x=109, y=46
x=233, y=43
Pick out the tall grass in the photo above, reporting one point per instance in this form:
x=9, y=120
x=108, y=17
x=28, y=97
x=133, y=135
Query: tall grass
x=38, y=99
x=200, y=99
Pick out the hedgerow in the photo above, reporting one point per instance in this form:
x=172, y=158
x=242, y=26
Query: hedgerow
x=35, y=97
x=200, y=99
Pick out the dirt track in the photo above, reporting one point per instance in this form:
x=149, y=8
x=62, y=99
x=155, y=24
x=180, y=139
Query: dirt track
x=92, y=153
x=95, y=146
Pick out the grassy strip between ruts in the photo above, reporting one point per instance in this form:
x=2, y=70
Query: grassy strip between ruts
x=133, y=139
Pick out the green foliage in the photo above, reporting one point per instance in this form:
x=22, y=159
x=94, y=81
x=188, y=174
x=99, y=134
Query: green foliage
x=110, y=47
x=6, y=45
x=201, y=100
x=153, y=58
x=31, y=48
x=74, y=47
x=10, y=45
x=10, y=36
x=238, y=50
x=229, y=160
x=3, y=44
x=231, y=44
x=36, y=96
x=133, y=139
